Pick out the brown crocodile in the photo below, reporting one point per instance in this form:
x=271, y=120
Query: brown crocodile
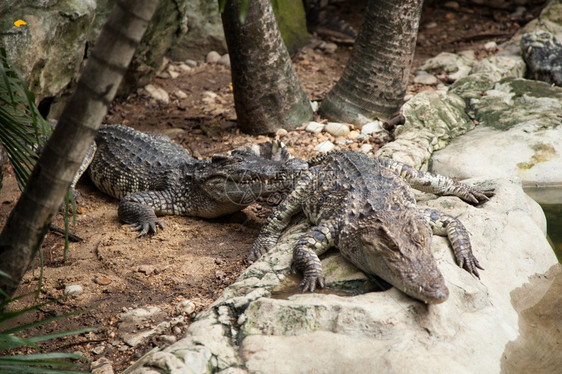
x=365, y=207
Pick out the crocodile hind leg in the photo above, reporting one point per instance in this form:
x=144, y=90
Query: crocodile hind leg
x=280, y=219
x=305, y=256
x=436, y=184
x=446, y=225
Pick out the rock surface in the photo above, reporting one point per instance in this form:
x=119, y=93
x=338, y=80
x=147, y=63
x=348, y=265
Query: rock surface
x=51, y=48
x=520, y=134
x=262, y=323
x=543, y=55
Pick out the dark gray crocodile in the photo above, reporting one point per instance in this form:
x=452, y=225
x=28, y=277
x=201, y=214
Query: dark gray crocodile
x=365, y=207
x=153, y=176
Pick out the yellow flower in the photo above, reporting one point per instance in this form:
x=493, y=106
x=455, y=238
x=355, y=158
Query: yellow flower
x=19, y=23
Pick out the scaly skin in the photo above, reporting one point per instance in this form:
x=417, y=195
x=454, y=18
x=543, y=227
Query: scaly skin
x=153, y=176
x=364, y=207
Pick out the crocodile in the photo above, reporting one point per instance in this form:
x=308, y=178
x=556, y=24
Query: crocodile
x=153, y=176
x=366, y=208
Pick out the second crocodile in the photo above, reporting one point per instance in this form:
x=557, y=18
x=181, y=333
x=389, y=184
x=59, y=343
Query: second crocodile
x=153, y=176
x=365, y=208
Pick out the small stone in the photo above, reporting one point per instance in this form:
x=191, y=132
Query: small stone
x=73, y=290
x=431, y=25
x=146, y=269
x=219, y=274
x=173, y=74
x=224, y=60
x=314, y=105
x=98, y=350
x=218, y=261
x=213, y=57
x=337, y=129
x=176, y=330
x=101, y=280
x=168, y=339
x=180, y=94
x=329, y=48
x=102, y=366
x=184, y=67
x=371, y=127
x=366, y=148
x=281, y=133
x=491, y=46
x=353, y=134
x=325, y=146
x=314, y=127
x=157, y=93
x=191, y=63
x=426, y=79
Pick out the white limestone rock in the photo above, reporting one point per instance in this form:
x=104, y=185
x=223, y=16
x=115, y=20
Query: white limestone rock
x=520, y=135
x=337, y=129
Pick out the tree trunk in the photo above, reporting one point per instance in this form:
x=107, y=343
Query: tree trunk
x=267, y=93
x=29, y=221
x=374, y=81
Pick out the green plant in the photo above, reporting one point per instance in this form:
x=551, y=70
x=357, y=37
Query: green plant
x=12, y=338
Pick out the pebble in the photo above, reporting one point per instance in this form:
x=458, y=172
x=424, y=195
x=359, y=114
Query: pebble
x=353, y=134
x=73, y=290
x=98, y=350
x=101, y=280
x=325, y=146
x=224, y=60
x=371, y=127
x=180, y=94
x=281, y=133
x=184, y=67
x=176, y=330
x=426, y=79
x=191, y=63
x=431, y=25
x=329, y=48
x=157, y=93
x=173, y=74
x=168, y=339
x=337, y=129
x=314, y=105
x=366, y=148
x=314, y=127
x=491, y=46
x=146, y=269
x=102, y=366
x=213, y=57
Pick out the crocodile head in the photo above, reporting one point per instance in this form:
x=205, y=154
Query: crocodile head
x=399, y=252
x=239, y=179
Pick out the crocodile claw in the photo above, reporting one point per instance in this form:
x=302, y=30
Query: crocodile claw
x=470, y=264
x=478, y=197
x=146, y=227
x=310, y=282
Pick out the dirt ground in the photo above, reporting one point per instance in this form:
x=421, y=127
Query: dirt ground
x=195, y=259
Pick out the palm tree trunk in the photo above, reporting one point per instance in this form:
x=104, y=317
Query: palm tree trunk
x=374, y=81
x=267, y=93
x=29, y=221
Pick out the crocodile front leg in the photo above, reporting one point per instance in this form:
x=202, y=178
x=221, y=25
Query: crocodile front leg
x=280, y=219
x=436, y=184
x=446, y=225
x=140, y=209
x=305, y=256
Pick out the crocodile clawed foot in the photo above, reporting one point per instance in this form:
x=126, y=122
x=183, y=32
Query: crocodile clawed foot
x=310, y=283
x=471, y=265
x=146, y=227
x=478, y=197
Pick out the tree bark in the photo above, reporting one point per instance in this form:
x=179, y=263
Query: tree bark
x=374, y=80
x=29, y=221
x=267, y=93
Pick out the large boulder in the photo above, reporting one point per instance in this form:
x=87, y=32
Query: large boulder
x=519, y=134
x=263, y=323
x=53, y=45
